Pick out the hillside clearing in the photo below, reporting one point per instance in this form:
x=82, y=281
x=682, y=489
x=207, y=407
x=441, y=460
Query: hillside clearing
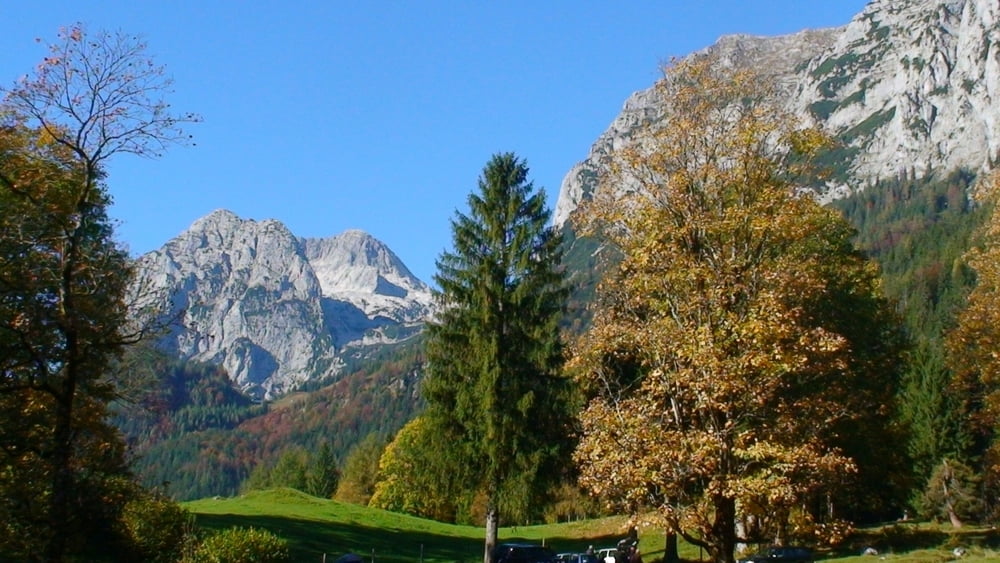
x=314, y=527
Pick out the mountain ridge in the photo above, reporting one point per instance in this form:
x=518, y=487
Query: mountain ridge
x=907, y=87
x=271, y=307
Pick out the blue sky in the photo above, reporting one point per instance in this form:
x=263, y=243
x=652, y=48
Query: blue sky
x=379, y=115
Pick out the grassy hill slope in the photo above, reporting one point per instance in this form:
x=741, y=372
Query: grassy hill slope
x=314, y=527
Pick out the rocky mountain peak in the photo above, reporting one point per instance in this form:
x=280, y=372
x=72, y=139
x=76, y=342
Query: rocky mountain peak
x=778, y=56
x=273, y=309
x=356, y=267
x=908, y=87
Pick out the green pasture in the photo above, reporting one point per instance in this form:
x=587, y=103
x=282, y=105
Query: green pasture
x=316, y=527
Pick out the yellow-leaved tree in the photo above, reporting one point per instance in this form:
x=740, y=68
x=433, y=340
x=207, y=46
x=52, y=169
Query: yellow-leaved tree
x=64, y=281
x=973, y=344
x=738, y=336
x=408, y=481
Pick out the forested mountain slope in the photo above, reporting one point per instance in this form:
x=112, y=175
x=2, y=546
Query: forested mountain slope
x=194, y=434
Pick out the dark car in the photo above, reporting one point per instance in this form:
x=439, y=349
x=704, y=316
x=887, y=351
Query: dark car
x=523, y=553
x=577, y=558
x=780, y=554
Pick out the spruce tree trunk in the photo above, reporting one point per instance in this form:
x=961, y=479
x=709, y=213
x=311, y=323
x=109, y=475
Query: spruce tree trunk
x=492, y=527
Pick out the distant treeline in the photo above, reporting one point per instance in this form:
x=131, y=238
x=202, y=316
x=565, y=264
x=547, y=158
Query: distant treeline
x=195, y=435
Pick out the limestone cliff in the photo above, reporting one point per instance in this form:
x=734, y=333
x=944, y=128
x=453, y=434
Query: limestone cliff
x=273, y=309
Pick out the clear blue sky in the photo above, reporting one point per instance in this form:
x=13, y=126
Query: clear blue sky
x=379, y=115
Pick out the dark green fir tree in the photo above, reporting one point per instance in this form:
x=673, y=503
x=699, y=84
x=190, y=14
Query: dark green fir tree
x=496, y=398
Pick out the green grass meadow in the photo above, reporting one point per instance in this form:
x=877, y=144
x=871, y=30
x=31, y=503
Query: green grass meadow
x=316, y=527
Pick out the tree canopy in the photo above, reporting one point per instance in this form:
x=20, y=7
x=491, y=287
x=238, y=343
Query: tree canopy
x=496, y=398
x=739, y=333
x=63, y=280
x=972, y=344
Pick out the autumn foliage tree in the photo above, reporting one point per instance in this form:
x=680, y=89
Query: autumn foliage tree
x=408, y=480
x=360, y=472
x=738, y=331
x=56, y=449
x=972, y=345
x=63, y=280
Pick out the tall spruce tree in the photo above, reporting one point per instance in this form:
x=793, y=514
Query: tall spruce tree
x=931, y=412
x=496, y=397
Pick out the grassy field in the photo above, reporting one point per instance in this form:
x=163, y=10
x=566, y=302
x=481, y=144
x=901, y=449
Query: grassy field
x=316, y=528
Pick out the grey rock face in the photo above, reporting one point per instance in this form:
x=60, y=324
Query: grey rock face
x=910, y=85
x=356, y=267
x=369, y=296
x=778, y=56
x=273, y=309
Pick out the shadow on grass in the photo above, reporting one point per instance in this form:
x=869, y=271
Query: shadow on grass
x=309, y=540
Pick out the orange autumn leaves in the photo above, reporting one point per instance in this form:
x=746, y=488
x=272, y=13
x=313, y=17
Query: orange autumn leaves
x=718, y=353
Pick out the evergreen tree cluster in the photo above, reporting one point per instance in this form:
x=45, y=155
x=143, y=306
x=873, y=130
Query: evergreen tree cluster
x=919, y=231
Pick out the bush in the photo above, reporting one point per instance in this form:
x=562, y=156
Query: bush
x=952, y=493
x=155, y=528
x=247, y=545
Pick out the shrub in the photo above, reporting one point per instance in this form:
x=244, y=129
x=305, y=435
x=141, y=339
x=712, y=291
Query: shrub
x=247, y=545
x=952, y=492
x=155, y=528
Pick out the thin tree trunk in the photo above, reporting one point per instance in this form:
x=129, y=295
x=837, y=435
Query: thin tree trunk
x=62, y=479
x=65, y=396
x=492, y=528
x=956, y=522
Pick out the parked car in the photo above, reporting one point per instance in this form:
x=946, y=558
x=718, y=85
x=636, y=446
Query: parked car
x=789, y=554
x=577, y=558
x=606, y=554
x=523, y=553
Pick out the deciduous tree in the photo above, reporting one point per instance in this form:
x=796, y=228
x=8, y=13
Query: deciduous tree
x=738, y=332
x=409, y=480
x=972, y=345
x=495, y=394
x=64, y=276
x=62, y=281
x=357, y=480
x=289, y=470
